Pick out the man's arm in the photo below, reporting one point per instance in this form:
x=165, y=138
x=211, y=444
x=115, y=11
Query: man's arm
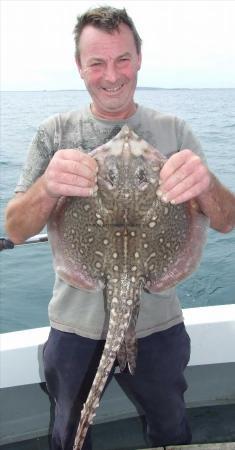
x=28, y=212
x=218, y=203
x=185, y=177
x=69, y=173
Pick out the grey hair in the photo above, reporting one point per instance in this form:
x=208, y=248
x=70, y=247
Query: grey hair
x=105, y=18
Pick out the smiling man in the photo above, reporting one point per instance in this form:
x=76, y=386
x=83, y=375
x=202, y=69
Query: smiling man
x=108, y=56
x=109, y=65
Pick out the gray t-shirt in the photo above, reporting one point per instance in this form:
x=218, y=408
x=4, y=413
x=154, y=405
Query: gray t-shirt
x=79, y=311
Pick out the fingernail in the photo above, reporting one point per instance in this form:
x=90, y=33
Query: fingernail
x=159, y=193
x=173, y=202
x=95, y=188
x=164, y=198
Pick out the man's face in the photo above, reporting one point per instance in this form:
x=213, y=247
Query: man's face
x=108, y=65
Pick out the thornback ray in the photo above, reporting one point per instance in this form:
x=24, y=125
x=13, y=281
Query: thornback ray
x=122, y=240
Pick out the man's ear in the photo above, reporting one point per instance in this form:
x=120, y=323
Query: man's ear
x=139, y=60
x=78, y=64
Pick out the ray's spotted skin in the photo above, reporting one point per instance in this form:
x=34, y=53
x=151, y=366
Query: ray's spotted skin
x=121, y=240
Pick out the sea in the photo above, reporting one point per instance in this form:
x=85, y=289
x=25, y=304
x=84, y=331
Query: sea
x=26, y=273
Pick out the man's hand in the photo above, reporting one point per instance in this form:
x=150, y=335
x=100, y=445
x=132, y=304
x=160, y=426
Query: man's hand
x=70, y=173
x=183, y=177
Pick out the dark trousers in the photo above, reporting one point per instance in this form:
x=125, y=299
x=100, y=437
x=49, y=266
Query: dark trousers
x=158, y=384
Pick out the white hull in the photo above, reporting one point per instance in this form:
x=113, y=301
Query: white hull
x=25, y=408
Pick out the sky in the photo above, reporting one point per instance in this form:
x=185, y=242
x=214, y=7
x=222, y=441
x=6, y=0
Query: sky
x=186, y=43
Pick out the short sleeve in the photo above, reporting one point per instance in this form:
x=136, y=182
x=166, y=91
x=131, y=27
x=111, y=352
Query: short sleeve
x=188, y=140
x=39, y=155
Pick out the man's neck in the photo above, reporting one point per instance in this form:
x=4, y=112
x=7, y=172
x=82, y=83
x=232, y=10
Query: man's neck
x=114, y=115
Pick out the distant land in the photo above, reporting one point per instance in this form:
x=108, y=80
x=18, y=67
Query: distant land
x=139, y=88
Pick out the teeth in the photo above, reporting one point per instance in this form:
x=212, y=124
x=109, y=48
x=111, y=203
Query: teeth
x=113, y=89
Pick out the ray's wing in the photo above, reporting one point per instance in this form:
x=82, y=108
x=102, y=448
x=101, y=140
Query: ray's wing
x=78, y=232
x=175, y=238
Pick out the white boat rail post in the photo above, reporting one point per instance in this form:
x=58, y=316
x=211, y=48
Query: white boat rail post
x=7, y=244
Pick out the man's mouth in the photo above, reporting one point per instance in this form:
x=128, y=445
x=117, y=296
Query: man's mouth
x=113, y=89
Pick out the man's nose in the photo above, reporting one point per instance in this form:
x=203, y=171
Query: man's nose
x=111, y=73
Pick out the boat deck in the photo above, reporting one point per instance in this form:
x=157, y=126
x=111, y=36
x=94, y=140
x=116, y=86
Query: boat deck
x=209, y=425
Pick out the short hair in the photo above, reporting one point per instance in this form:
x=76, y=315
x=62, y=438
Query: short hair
x=105, y=18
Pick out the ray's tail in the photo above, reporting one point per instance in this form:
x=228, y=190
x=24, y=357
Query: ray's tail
x=121, y=310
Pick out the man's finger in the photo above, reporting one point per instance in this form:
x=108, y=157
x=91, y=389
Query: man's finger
x=195, y=191
x=181, y=163
x=68, y=190
x=78, y=156
x=180, y=182
x=77, y=168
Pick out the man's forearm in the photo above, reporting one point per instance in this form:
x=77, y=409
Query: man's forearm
x=27, y=213
x=218, y=203
x=69, y=173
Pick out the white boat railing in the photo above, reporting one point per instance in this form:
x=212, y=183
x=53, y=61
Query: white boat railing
x=211, y=329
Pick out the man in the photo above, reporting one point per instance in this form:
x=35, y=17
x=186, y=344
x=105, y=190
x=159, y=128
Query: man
x=108, y=56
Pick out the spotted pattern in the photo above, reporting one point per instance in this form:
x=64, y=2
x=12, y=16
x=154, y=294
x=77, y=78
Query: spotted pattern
x=122, y=240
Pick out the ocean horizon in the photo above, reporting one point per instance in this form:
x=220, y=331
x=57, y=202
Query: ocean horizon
x=138, y=88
